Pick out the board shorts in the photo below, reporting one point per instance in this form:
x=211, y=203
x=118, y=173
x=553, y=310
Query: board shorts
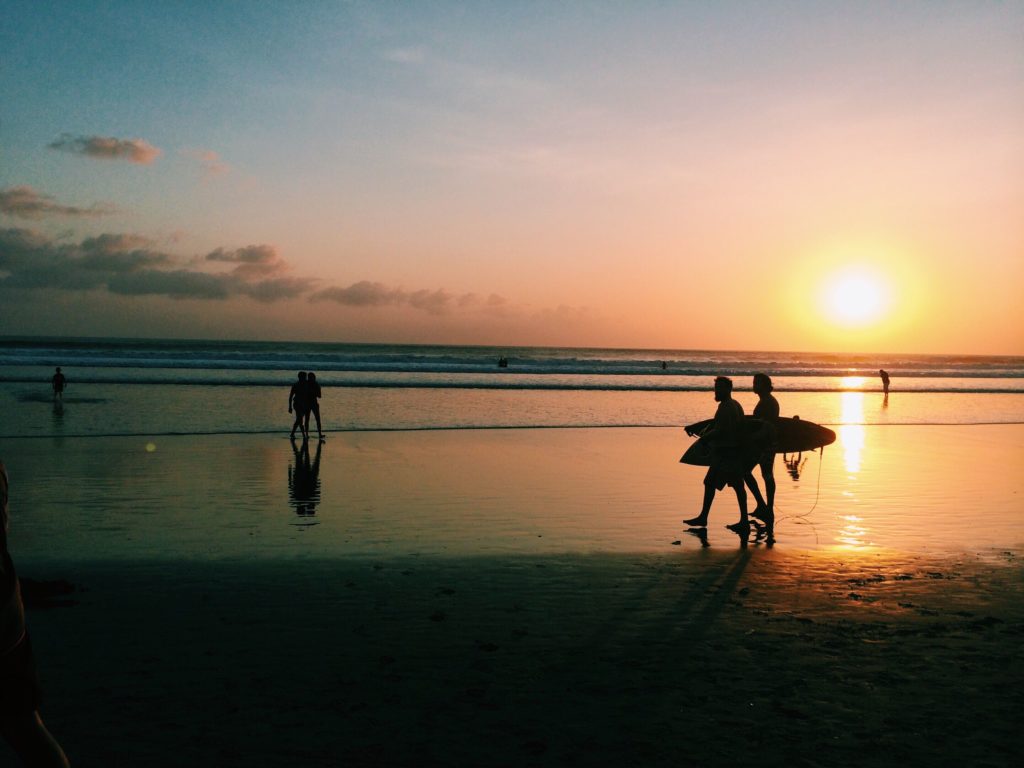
x=19, y=685
x=728, y=467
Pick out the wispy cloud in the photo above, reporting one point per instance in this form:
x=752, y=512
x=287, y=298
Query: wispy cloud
x=130, y=265
x=209, y=161
x=135, y=151
x=26, y=203
x=371, y=294
x=409, y=55
x=252, y=261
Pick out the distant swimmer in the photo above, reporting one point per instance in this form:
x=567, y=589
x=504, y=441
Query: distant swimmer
x=767, y=409
x=58, y=382
x=727, y=465
x=298, y=401
x=885, y=380
x=314, y=404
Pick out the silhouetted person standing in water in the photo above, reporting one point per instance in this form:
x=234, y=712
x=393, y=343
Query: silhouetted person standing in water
x=58, y=381
x=314, y=404
x=19, y=690
x=727, y=465
x=767, y=409
x=298, y=401
x=885, y=380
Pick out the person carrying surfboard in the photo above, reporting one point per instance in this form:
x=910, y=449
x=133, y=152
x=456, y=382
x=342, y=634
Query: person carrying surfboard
x=767, y=409
x=727, y=465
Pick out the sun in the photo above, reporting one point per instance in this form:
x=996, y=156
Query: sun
x=855, y=296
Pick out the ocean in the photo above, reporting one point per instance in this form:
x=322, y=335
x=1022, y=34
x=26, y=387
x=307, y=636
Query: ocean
x=164, y=387
x=179, y=450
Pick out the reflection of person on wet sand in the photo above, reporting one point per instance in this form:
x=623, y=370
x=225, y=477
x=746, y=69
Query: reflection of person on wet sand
x=298, y=400
x=19, y=690
x=767, y=409
x=727, y=465
x=794, y=464
x=58, y=382
x=304, y=480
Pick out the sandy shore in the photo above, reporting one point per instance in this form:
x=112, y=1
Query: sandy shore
x=689, y=658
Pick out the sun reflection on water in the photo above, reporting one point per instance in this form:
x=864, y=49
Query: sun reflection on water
x=851, y=433
x=852, y=533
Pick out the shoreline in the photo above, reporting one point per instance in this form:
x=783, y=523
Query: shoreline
x=710, y=658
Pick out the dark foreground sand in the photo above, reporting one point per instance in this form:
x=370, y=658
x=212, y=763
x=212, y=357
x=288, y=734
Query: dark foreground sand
x=708, y=658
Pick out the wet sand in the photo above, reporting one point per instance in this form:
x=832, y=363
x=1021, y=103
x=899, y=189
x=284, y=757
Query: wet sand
x=518, y=598
x=707, y=658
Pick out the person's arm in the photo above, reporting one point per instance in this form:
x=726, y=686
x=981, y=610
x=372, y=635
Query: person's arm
x=291, y=396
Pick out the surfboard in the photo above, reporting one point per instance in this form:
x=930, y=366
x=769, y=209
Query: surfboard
x=793, y=435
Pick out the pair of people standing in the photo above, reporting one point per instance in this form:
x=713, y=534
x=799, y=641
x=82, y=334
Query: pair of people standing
x=731, y=464
x=303, y=400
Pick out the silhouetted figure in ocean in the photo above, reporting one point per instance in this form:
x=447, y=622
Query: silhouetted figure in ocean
x=885, y=380
x=304, y=480
x=314, y=404
x=298, y=401
x=727, y=463
x=767, y=409
x=20, y=698
x=503, y=362
x=58, y=382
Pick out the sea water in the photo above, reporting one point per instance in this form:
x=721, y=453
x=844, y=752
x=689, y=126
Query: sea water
x=121, y=387
x=174, y=449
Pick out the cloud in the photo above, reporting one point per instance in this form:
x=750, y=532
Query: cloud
x=252, y=261
x=130, y=265
x=361, y=294
x=26, y=203
x=209, y=161
x=436, y=302
x=412, y=55
x=108, y=148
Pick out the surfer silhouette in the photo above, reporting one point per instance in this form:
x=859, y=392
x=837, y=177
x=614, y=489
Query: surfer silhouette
x=298, y=400
x=885, y=380
x=767, y=409
x=727, y=464
x=20, y=723
x=58, y=382
x=314, y=405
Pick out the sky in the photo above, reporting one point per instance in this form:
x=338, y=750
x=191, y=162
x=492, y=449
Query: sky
x=842, y=176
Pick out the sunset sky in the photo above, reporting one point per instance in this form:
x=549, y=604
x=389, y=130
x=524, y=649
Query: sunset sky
x=763, y=175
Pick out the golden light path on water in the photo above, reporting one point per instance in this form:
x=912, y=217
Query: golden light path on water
x=852, y=533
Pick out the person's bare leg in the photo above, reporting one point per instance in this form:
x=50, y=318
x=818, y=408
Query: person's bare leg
x=702, y=519
x=32, y=742
x=756, y=491
x=741, y=497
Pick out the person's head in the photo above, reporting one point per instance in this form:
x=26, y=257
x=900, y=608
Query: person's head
x=723, y=388
x=762, y=383
x=302, y=375
x=312, y=376
x=58, y=369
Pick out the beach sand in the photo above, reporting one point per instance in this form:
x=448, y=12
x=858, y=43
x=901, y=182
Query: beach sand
x=714, y=658
x=521, y=598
